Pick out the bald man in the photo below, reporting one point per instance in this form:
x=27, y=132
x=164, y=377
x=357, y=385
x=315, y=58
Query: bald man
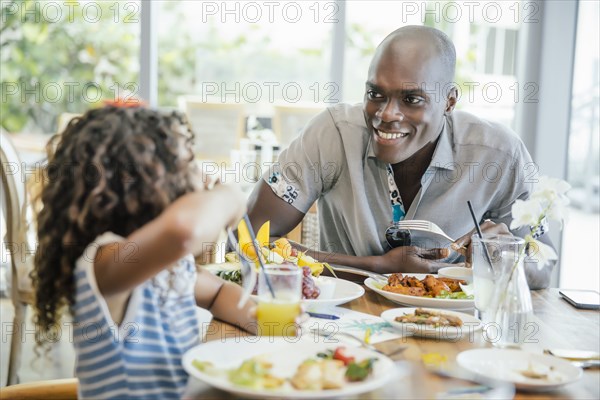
x=404, y=149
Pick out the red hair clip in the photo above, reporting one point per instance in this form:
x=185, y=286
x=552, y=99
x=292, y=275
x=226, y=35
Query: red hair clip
x=125, y=102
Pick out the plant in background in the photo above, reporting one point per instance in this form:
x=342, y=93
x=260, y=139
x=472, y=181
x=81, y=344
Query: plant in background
x=64, y=62
x=547, y=202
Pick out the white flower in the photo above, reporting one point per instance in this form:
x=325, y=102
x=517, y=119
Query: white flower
x=525, y=213
x=547, y=200
x=558, y=211
x=551, y=187
x=541, y=252
x=551, y=193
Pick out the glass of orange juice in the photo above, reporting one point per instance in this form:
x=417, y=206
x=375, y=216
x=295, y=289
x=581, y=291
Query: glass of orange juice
x=276, y=316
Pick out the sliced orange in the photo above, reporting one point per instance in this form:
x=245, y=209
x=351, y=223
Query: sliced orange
x=246, y=246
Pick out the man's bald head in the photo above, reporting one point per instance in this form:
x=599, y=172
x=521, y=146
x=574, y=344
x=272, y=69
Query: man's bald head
x=430, y=41
x=409, y=91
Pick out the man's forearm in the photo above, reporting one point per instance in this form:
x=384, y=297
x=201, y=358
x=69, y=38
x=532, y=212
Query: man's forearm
x=368, y=263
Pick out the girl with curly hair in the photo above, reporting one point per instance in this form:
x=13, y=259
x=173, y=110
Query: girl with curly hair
x=120, y=222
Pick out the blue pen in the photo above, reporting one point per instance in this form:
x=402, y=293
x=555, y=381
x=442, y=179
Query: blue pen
x=323, y=316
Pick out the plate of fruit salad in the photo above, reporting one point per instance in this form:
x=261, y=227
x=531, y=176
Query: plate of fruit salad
x=317, y=290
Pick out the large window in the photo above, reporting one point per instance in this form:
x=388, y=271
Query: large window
x=485, y=35
x=65, y=56
x=581, y=234
x=256, y=53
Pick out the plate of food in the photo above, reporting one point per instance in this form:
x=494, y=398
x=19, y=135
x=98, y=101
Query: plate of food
x=527, y=371
x=317, y=290
x=421, y=290
x=442, y=325
x=267, y=367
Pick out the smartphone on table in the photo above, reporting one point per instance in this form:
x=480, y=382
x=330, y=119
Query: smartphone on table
x=584, y=299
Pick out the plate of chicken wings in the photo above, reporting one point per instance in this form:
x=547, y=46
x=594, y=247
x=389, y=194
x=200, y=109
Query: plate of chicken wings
x=423, y=290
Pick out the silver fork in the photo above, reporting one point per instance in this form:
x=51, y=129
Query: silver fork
x=424, y=226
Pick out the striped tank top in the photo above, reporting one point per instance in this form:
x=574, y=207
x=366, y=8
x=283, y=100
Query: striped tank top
x=141, y=357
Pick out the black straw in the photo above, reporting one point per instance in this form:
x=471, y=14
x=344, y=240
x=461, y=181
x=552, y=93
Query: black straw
x=485, y=251
x=258, y=253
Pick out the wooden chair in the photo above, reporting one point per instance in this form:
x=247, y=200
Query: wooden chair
x=14, y=207
x=63, y=389
x=218, y=127
x=289, y=120
x=307, y=231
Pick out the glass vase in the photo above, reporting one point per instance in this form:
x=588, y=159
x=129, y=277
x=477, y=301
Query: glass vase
x=511, y=308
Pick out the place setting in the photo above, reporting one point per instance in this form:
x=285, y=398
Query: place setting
x=291, y=358
x=301, y=357
x=318, y=291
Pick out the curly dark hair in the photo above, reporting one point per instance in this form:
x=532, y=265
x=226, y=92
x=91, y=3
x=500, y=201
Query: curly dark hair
x=113, y=169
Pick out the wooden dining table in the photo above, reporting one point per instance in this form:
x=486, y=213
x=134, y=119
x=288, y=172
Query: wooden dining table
x=559, y=326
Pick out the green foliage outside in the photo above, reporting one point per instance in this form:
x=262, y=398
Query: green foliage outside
x=55, y=63
x=249, y=56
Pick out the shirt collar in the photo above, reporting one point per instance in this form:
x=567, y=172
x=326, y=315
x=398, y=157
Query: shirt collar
x=443, y=157
x=370, y=151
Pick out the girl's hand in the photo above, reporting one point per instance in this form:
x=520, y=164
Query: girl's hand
x=209, y=182
x=240, y=198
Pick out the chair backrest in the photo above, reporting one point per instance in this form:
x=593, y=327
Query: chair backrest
x=218, y=127
x=310, y=228
x=64, y=389
x=288, y=121
x=14, y=207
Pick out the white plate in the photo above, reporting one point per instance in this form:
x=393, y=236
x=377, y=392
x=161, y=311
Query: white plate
x=345, y=291
x=504, y=365
x=285, y=354
x=417, y=301
x=453, y=333
x=462, y=273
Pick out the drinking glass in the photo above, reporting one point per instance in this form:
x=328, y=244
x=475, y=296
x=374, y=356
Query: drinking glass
x=503, y=251
x=276, y=316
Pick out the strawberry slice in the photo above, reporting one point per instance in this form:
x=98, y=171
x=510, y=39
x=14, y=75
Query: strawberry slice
x=340, y=354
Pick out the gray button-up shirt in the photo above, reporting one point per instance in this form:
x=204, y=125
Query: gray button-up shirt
x=332, y=161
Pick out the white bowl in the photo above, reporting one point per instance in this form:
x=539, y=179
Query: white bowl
x=466, y=274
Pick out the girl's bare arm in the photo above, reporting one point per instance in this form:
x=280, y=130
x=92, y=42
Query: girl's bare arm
x=190, y=225
x=221, y=298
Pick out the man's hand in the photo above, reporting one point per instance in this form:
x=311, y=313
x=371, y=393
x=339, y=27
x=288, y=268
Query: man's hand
x=463, y=244
x=412, y=259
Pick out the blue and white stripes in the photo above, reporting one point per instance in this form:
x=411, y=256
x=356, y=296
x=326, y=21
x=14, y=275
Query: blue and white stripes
x=141, y=357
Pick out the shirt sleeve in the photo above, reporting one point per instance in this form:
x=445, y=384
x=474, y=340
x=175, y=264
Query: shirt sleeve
x=310, y=166
x=85, y=264
x=518, y=185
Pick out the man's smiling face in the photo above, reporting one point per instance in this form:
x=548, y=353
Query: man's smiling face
x=405, y=99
